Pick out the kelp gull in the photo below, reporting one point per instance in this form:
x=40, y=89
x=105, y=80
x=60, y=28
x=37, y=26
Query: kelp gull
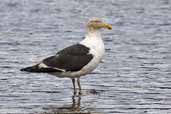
x=76, y=60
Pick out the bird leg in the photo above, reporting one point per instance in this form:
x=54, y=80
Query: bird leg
x=79, y=86
x=73, y=82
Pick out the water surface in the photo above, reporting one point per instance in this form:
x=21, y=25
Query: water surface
x=135, y=77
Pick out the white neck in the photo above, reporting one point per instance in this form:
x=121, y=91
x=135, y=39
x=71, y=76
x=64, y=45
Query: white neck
x=93, y=37
x=93, y=33
x=94, y=41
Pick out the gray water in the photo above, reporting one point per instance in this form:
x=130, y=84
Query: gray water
x=135, y=77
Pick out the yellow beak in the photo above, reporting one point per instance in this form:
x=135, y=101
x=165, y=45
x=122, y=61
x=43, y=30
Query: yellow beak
x=108, y=26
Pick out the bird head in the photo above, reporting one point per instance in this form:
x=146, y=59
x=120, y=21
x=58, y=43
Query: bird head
x=96, y=23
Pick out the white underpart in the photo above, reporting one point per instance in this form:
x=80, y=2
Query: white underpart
x=93, y=41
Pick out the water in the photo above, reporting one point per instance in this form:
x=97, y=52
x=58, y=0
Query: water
x=135, y=77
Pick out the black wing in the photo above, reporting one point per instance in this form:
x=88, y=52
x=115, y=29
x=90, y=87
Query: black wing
x=72, y=58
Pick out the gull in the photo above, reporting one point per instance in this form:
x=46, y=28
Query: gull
x=76, y=60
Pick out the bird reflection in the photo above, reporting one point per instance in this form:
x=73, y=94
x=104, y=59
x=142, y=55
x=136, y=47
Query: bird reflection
x=74, y=108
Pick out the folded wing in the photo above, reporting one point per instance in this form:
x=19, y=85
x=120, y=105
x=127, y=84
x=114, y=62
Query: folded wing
x=72, y=58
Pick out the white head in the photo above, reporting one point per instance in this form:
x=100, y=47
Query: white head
x=96, y=23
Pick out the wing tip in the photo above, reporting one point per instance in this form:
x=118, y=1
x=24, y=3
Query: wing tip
x=38, y=69
x=29, y=69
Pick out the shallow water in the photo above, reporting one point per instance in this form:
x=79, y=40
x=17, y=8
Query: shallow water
x=135, y=77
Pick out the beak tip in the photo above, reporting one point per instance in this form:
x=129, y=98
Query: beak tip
x=110, y=28
x=107, y=26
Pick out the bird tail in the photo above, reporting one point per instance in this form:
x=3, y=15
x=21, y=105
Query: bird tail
x=31, y=69
x=38, y=69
